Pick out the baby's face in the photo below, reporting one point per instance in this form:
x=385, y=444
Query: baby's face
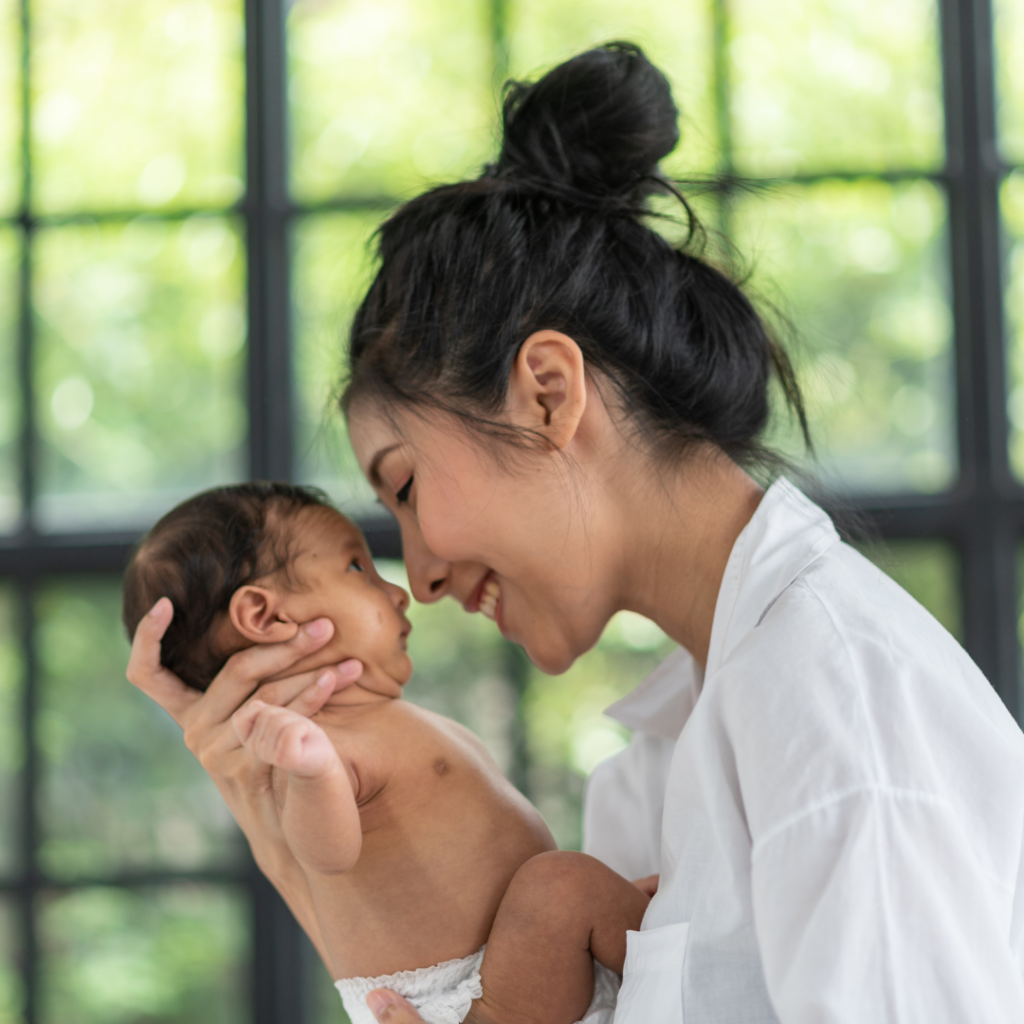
x=333, y=576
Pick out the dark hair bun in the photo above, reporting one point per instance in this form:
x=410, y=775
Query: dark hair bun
x=597, y=124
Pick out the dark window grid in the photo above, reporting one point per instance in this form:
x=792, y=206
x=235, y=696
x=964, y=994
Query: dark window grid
x=982, y=516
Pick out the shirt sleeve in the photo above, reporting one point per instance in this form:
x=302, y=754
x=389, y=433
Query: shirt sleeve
x=871, y=907
x=622, y=810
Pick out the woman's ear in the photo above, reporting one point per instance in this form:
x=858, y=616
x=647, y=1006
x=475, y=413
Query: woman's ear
x=548, y=387
x=257, y=614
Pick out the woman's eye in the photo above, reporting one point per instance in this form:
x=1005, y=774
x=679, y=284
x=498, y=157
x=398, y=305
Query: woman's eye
x=402, y=495
x=354, y=564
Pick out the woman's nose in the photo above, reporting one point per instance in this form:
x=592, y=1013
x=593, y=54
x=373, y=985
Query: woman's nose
x=429, y=576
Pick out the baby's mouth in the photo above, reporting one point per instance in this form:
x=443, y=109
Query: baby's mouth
x=489, y=597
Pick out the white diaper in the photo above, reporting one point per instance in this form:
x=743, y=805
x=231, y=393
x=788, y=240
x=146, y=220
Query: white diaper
x=443, y=993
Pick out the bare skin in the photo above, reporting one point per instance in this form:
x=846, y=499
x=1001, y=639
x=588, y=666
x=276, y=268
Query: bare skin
x=415, y=847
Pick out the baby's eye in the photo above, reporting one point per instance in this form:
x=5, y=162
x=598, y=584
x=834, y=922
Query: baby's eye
x=354, y=564
x=402, y=495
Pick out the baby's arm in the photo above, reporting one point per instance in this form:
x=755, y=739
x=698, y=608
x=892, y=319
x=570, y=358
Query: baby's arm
x=319, y=816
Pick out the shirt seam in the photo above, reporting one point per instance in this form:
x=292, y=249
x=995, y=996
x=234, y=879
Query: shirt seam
x=895, y=793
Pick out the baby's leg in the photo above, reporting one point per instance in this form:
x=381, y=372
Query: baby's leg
x=561, y=911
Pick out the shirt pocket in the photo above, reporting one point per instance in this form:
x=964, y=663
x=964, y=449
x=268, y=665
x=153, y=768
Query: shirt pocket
x=652, y=976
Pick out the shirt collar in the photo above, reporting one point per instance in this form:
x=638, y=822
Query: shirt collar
x=785, y=534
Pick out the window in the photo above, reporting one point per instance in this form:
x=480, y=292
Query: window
x=186, y=190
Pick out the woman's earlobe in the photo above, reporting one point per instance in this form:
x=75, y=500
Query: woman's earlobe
x=257, y=614
x=547, y=387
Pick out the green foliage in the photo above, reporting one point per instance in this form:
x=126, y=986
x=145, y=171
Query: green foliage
x=1012, y=208
x=331, y=256
x=119, y=789
x=861, y=269
x=139, y=367
x=137, y=104
x=10, y=106
x=1008, y=35
x=388, y=96
x=10, y=397
x=12, y=743
x=171, y=955
x=826, y=85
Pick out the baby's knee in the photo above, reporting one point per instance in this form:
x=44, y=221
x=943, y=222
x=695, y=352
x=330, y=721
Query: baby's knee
x=557, y=882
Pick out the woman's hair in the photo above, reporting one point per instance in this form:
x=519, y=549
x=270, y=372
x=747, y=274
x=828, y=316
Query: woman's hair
x=556, y=235
x=199, y=554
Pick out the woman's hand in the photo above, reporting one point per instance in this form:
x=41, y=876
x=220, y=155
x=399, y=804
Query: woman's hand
x=205, y=718
x=390, y=1008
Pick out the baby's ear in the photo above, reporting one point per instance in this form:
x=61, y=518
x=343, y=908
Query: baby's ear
x=257, y=614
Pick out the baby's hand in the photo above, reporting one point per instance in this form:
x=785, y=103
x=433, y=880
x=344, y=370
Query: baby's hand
x=284, y=739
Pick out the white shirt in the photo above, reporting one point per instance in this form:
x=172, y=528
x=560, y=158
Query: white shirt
x=835, y=806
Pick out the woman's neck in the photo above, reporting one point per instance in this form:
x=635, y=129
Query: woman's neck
x=683, y=530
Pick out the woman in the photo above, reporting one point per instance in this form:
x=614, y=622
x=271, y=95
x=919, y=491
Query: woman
x=557, y=405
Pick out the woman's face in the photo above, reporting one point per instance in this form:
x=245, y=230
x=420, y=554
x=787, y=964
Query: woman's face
x=513, y=538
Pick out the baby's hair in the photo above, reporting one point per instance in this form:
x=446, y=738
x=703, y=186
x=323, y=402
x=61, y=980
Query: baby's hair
x=199, y=554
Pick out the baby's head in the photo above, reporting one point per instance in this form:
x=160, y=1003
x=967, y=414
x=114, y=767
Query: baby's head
x=250, y=564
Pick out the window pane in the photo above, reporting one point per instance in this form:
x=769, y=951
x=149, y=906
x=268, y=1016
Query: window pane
x=119, y=789
x=139, y=368
x=332, y=269
x=10, y=106
x=568, y=734
x=929, y=571
x=10, y=397
x=12, y=998
x=1008, y=25
x=678, y=37
x=821, y=85
x=387, y=94
x=137, y=103
x=12, y=750
x=1012, y=206
x=861, y=267
x=171, y=955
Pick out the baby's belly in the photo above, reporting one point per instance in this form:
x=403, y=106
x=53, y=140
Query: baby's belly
x=429, y=880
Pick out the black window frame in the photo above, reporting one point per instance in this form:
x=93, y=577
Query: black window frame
x=981, y=517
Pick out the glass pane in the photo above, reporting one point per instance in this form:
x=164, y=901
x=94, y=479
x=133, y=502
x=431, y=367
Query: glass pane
x=156, y=82
x=1008, y=25
x=171, y=955
x=678, y=37
x=929, y=571
x=821, y=85
x=10, y=106
x=387, y=94
x=119, y=789
x=12, y=749
x=10, y=398
x=1012, y=206
x=12, y=999
x=862, y=269
x=331, y=272
x=139, y=368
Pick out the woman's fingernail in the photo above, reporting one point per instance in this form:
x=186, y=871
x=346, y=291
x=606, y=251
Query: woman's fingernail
x=325, y=681
x=157, y=608
x=350, y=670
x=319, y=628
x=379, y=1000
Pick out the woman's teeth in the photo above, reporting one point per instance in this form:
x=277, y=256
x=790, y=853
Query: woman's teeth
x=489, y=599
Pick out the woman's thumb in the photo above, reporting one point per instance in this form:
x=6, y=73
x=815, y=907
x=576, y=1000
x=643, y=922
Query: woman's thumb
x=390, y=1008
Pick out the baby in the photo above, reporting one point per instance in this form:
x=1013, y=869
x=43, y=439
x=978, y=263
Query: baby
x=417, y=850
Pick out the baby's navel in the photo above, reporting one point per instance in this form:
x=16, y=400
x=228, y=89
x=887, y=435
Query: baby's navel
x=441, y=766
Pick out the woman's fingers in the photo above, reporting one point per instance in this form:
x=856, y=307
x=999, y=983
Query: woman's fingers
x=328, y=681
x=390, y=1008
x=146, y=672
x=240, y=677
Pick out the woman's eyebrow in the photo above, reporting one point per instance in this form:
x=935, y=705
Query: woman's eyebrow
x=374, y=471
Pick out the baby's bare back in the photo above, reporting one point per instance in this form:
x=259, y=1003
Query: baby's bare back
x=443, y=833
